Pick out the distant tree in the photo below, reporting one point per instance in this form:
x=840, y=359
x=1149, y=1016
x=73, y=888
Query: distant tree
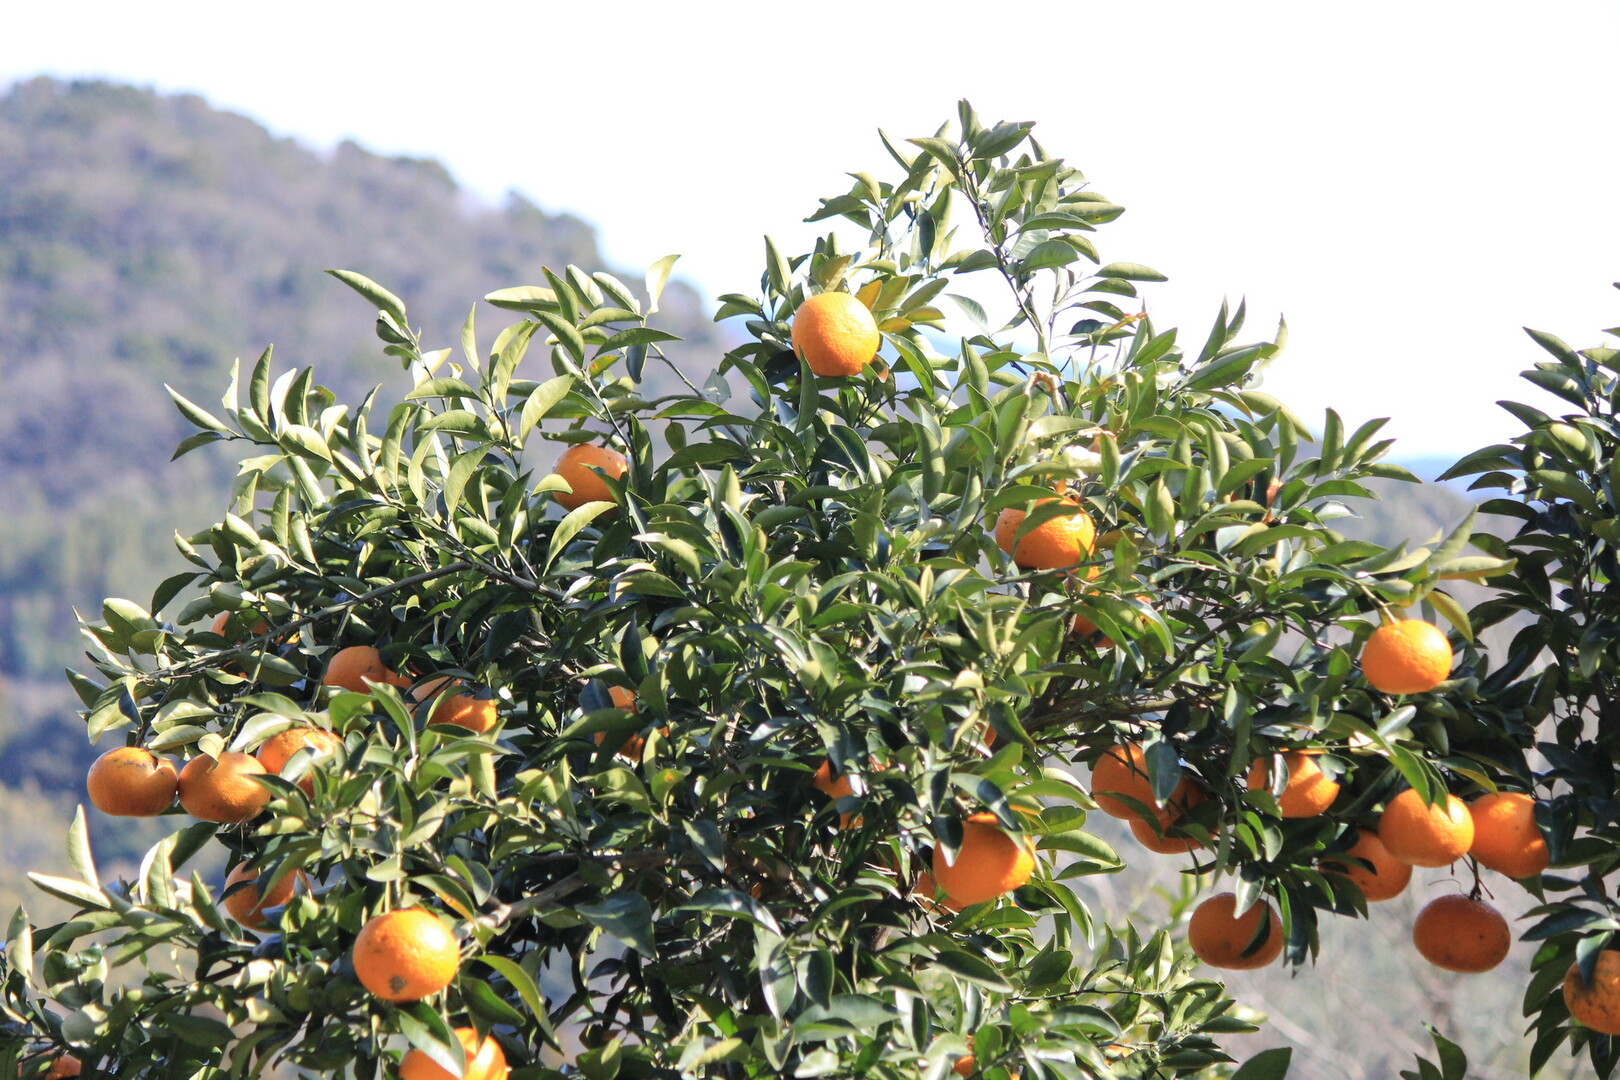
x=753, y=756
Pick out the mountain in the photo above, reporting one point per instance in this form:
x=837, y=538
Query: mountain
x=149, y=239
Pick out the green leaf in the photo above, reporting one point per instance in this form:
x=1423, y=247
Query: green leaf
x=444, y=388
x=202, y=1031
x=543, y=399
x=568, y=335
x=522, y=982
x=379, y=297
x=627, y=918
x=78, y=849
x=972, y=969
x=427, y=1031
x=571, y=525
x=299, y=439
x=1266, y=1065
x=74, y=892
x=199, y=416
x=529, y=298
x=1453, y=612
x=657, y=277
x=704, y=836
x=1131, y=272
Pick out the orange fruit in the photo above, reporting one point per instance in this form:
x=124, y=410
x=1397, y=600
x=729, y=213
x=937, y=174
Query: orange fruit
x=1309, y=790
x=965, y=1065
x=635, y=744
x=1459, y=933
x=485, y=1060
x=222, y=623
x=64, y=1066
x=406, y=955
x=1122, y=770
x=988, y=864
x=1087, y=630
x=1055, y=543
x=1505, y=835
x=835, y=788
x=575, y=466
x=1388, y=877
x=245, y=905
x=1422, y=835
x=1222, y=941
x=1408, y=656
x=278, y=749
x=223, y=790
x=476, y=714
x=131, y=782
x=351, y=668
x=1150, y=837
x=929, y=896
x=835, y=334
x=1156, y=834
x=1596, y=1004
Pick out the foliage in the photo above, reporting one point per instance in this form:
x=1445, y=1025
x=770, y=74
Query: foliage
x=146, y=239
x=805, y=575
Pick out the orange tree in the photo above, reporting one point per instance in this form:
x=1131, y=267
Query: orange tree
x=745, y=742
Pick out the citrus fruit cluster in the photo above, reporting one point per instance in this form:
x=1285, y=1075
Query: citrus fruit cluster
x=1459, y=933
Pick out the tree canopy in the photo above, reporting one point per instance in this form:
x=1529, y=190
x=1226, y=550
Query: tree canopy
x=667, y=745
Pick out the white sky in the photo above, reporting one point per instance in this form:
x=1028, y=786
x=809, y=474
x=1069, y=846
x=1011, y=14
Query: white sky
x=1410, y=182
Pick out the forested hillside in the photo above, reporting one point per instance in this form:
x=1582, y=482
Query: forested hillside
x=149, y=239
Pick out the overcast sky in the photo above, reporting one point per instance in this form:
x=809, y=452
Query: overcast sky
x=1410, y=183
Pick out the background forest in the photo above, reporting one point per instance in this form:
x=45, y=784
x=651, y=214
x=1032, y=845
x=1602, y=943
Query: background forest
x=148, y=239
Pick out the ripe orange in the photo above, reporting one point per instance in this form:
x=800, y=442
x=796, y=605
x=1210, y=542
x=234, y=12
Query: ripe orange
x=1422, y=835
x=988, y=864
x=1222, y=941
x=1596, y=1004
x=278, y=749
x=222, y=623
x=245, y=905
x=476, y=714
x=1459, y=933
x=1388, y=877
x=1308, y=792
x=350, y=668
x=965, y=1065
x=835, y=334
x=1505, y=835
x=223, y=790
x=835, y=788
x=1158, y=834
x=131, y=782
x=65, y=1066
x=485, y=1060
x=635, y=744
x=1408, y=656
x=1055, y=543
x=405, y=955
x=1150, y=838
x=1122, y=770
x=928, y=894
x=575, y=466
x=1087, y=631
